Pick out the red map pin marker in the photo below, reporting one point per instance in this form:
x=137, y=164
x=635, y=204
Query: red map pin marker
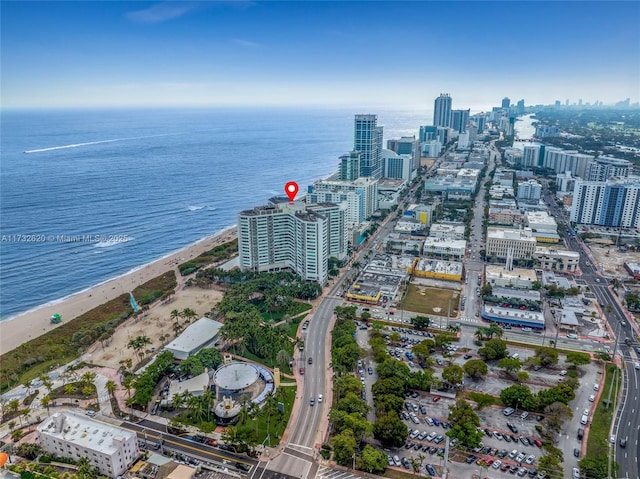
x=291, y=189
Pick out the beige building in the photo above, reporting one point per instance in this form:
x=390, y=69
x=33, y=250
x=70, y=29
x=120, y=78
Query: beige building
x=558, y=260
x=515, y=278
x=444, y=247
x=502, y=240
x=505, y=216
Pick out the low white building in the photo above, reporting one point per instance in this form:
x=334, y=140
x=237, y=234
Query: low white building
x=515, y=278
x=447, y=231
x=111, y=449
x=197, y=335
x=444, y=247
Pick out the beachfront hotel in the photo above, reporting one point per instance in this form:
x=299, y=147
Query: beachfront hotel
x=284, y=235
x=111, y=449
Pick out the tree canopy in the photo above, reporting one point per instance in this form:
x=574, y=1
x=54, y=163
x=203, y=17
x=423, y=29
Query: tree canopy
x=465, y=423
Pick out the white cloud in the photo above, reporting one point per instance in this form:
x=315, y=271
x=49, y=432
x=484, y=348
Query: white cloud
x=161, y=12
x=246, y=43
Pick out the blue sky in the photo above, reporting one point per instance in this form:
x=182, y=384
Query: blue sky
x=356, y=54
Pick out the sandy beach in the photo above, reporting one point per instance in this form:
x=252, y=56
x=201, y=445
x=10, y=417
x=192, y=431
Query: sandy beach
x=34, y=323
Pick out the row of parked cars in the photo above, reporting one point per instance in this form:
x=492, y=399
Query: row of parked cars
x=404, y=462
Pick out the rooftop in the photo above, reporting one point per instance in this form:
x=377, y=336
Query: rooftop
x=510, y=233
x=196, y=334
x=85, y=432
x=501, y=292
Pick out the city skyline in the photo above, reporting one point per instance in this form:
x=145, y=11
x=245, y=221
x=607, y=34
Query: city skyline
x=352, y=54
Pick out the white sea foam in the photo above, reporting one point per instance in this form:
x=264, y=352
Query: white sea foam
x=196, y=208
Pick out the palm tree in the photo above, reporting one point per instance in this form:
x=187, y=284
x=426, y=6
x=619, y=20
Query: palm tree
x=138, y=344
x=175, y=315
x=85, y=469
x=128, y=384
x=111, y=386
x=46, y=402
x=189, y=314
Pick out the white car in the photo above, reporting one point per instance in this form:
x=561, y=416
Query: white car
x=530, y=459
x=496, y=464
x=596, y=387
x=563, y=372
x=319, y=397
x=592, y=398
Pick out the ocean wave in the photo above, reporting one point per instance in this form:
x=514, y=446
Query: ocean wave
x=196, y=208
x=113, y=242
x=88, y=143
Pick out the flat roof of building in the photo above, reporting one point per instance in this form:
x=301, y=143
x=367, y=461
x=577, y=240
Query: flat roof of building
x=447, y=228
x=196, y=335
x=494, y=271
x=569, y=318
x=84, y=431
x=527, y=294
x=510, y=233
x=534, y=318
x=443, y=267
x=451, y=243
x=196, y=384
x=560, y=252
x=541, y=218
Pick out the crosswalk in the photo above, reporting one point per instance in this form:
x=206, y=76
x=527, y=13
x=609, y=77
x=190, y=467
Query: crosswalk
x=468, y=320
x=329, y=473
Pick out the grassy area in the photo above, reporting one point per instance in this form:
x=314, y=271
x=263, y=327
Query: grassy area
x=221, y=252
x=598, y=444
x=66, y=342
x=294, y=309
x=292, y=328
x=278, y=422
x=268, y=362
x=395, y=474
x=422, y=299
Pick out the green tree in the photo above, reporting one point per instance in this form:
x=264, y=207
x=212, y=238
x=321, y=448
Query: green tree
x=577, y=358
x=547, y=356
x=481, y=332
x=494, y=330
x=372, y=460
x=422, y=350
x=550, y=465
x=29, y=450
x=444, y=339
x=522, y=376
x=138, y=345
x=393, y=386
x=344, y=385
x=392, y=368
x=563, y=393
x=390, y=430
x=46, y=403
x=465, y=424
x=85, y=469
x=518, y=396
x=493, y=349
x=111, y=386
x=388, y=403
x=421, y=323
x=596, y=467
x=351, y=403
x=510, y=365
x=476, y=368
x=192, y=365
x=344, y=448
x=453, y=374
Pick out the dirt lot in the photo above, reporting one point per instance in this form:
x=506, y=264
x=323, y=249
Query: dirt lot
x=609, y=258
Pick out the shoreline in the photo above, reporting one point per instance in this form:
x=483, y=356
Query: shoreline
x=23, y=327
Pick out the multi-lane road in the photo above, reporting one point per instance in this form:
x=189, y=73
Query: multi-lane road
x=627, y=424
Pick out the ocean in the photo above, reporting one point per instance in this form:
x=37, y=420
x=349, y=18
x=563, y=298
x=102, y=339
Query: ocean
x=88, y=195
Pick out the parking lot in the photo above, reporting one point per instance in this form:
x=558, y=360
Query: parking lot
x=424, y=438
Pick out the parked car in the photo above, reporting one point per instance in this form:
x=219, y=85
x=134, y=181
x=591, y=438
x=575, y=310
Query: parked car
x=508, y=411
